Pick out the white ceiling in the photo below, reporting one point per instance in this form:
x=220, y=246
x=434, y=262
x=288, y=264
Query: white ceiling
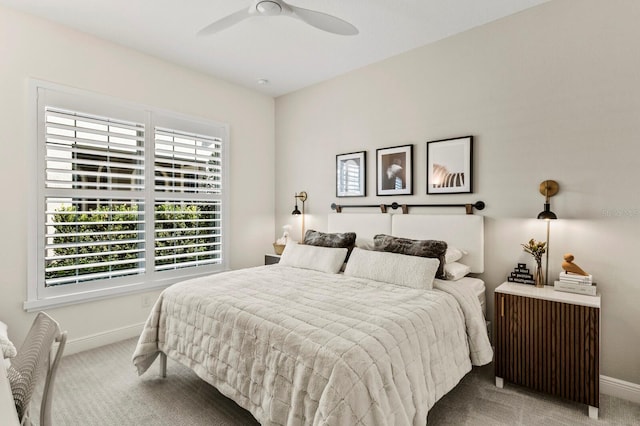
x=287, y=52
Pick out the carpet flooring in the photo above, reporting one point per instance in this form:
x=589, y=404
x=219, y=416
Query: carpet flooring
x=100, y=387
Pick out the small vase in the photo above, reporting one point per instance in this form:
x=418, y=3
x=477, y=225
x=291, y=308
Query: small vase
x=539, y=276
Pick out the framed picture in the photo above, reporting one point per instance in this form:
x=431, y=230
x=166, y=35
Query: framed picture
x=450, y=166
x=395, y=170
x=351, y=174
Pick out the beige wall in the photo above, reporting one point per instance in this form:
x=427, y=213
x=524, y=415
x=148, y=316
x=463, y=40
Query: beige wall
x=551, y=93
x=31, y=47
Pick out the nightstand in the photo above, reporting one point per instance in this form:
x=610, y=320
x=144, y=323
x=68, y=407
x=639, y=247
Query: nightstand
x=271, y=259
x=549, y=341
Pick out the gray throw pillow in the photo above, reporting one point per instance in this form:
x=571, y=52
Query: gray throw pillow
x=336, y=240
x=423, y=248
x=324, y=239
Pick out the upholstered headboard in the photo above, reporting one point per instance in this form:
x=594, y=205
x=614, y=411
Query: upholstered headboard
x=365, y=225
x=465, y=232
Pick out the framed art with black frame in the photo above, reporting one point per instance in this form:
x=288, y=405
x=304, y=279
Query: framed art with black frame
x=450, y=166
x=394, y=170
x=351, y=174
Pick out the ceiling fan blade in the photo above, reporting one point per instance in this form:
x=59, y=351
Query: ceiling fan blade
x=323, y=21
x=224, y=23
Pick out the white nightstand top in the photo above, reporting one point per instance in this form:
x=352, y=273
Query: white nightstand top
x=548, y=293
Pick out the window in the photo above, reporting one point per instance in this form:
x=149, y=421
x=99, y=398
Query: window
x=128, y=198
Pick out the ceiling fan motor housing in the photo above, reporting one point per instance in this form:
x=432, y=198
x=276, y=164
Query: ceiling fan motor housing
x=268, y=8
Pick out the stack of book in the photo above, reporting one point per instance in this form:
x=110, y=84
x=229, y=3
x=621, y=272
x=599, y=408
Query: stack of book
x=574, y=283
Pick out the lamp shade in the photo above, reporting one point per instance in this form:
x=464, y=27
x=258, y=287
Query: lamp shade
x=547, y=214
x=296, y=211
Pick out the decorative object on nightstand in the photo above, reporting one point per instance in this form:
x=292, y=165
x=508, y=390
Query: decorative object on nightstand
x=302, y=196
x=548, y=188
x=537, y=249
x=570, y=267
x=278, y=246
x=521, y=275
x=571, y=286
x=548, y=341
x=573, y=279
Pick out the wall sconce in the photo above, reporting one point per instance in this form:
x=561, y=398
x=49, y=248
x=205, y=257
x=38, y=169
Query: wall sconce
x=548, y=188
x=302, y=196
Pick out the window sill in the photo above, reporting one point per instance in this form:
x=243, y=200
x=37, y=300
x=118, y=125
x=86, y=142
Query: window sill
x=36, y=305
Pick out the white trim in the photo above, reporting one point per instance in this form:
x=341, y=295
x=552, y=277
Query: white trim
x=170, y=277
x=104, y=338
x=39, y=297
x=35, y=200
x=620, y=389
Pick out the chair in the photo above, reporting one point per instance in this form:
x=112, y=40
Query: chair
x=32, y=362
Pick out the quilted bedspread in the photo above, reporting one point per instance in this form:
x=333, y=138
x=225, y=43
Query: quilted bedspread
x=299, y=347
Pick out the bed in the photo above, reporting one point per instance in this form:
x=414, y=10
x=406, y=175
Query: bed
x=298, y=343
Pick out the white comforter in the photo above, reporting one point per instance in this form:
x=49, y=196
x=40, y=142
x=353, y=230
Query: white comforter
x=295, y=346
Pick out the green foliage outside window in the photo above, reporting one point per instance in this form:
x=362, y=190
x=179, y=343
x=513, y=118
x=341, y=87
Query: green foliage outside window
x=190, y=222
x=119, y=226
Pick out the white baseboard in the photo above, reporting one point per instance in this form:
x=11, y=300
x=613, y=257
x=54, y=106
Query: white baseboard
x=620, y=389
x=104, y=338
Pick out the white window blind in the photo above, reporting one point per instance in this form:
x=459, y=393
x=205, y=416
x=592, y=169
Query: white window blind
x=187, y=163
x=91, y=235
x=89, y=152
x=128, y=198
x=89, y=241
x=188, y=174
x=187, y=233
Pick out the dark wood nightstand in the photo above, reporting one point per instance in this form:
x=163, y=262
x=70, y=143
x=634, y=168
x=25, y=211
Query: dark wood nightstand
x=271, y=259
x=549, y=341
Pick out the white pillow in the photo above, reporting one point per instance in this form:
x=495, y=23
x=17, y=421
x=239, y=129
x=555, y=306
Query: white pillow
x=365, y=243
x=453, y=254
x=454, y=270
x=399, y=269
x=323, y=259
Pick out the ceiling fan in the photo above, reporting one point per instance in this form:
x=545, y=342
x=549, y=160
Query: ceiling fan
x=314, y=18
